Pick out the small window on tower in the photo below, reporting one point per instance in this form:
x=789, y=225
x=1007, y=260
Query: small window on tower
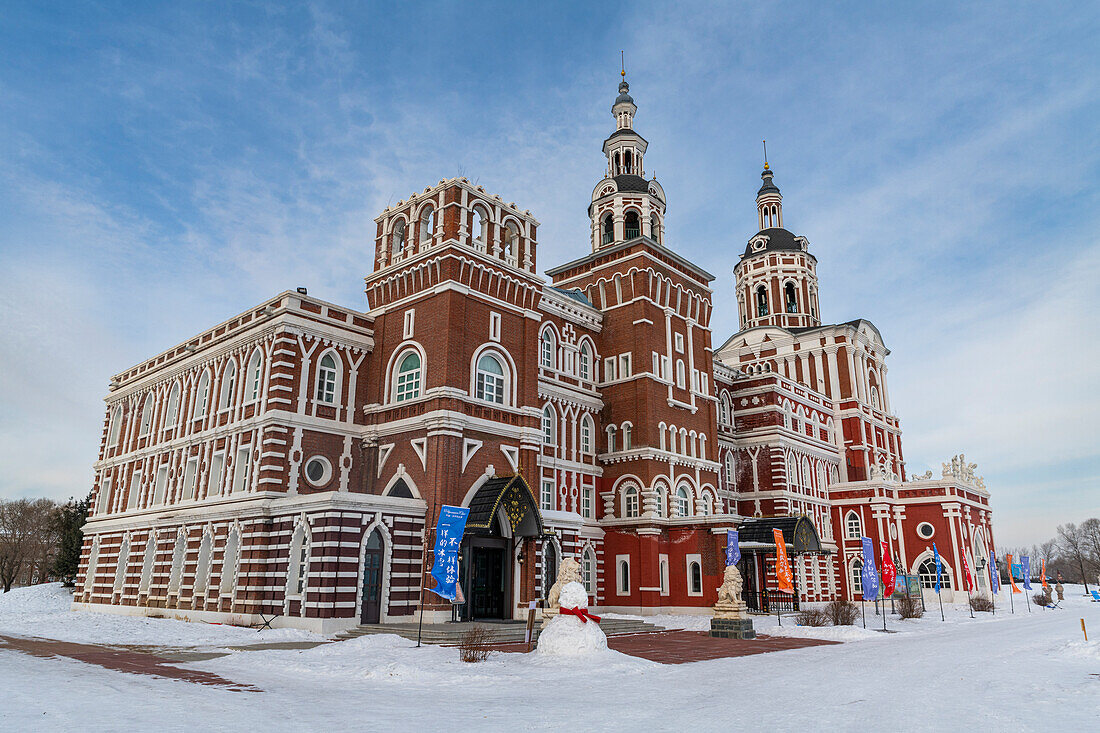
x=608, y=230
x=655, y=228
x=633, y=225
x=761, y=301
x=790, y=298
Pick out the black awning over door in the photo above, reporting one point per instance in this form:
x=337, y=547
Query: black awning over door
x=799, y=532
x=511, y=494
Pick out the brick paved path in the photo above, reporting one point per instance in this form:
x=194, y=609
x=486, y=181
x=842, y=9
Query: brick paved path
x=680, y=647
x=122, y=660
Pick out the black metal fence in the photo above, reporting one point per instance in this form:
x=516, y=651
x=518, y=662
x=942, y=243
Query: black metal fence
x=766, y=601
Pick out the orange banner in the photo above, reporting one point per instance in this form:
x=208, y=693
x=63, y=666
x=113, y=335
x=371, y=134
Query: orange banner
x=1011, y=580
x=1043, y=572
x=782, y=565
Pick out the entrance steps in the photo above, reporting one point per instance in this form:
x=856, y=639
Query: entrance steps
x=501, y=632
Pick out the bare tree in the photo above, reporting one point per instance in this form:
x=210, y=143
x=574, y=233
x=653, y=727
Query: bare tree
x=1072, y=543
x=26, y=539
x=1090, y=536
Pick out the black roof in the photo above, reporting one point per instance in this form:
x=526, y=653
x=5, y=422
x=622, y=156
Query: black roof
x=624, y=94
x=767, y=186
x=519, y=505
x=797, y=531
x=779, y=239
x=629, y=182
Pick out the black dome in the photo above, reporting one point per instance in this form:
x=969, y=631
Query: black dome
x=779, y=239
x=629, y=182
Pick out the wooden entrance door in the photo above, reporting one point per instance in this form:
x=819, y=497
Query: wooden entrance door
x=372, y=580
x=488, y=582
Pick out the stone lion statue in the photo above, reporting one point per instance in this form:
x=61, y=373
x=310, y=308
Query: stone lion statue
x=569, y=572
x=730, y=590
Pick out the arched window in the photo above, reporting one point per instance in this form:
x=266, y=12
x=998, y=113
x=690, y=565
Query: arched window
x=726, y=410
x=659, y=500
x=624, y=577
x=680, y=373
x=549, y=426
x=608, y=230
x=585, y=363
x=481, y=229
x=632, y=225
x=407, y=382
x=874, y=397
x=628, y=161
x=683, y=503
x=630, y=502
x=547, y=349
x=510, y=243
x=927, y=574
x=326, y=379
x=610, y=438
x=695, y=578
x=655, y=228
x=856, y=576
x=115, y=426
x=761, y=301
x=626, y=435
x=202, y=394
x=549, y=566
x=707, y=503
x=397, y=239
x=588, y=570
x=252, y=376
x=853, y=528
x=586, y=435
x=490, y=379
x=729, y=469
x=146, y=416
x=227, y=581
x=172, y=413
x=229, y=385
x=427, y=224
x=789, y=298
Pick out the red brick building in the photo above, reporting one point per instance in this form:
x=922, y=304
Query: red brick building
x=291, y=461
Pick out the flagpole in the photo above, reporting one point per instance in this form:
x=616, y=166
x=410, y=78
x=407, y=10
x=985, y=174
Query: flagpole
x=863, y=608
x=940, y=596
x=1028, y=599
x=884, y=610
x=970, y=602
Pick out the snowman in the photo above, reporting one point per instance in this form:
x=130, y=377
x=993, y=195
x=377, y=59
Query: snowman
x=573, y=631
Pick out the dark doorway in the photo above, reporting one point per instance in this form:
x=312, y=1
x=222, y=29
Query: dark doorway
x=372, y=580
x=488, y=579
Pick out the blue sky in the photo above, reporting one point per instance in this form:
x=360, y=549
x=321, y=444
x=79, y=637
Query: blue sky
x=165, y=166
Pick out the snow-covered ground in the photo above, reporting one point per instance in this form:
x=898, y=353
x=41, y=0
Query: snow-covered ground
x=43, y=611
x=1012, y=672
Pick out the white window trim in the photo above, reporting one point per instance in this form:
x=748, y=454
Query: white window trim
x=662, y=573
x=620, y=560
x=688, y=560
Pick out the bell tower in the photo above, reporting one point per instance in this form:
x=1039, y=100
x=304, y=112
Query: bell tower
x=777, y=275
x=626, y=206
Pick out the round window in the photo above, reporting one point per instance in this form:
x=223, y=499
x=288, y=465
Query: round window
x=926, y=530
x=318, y=470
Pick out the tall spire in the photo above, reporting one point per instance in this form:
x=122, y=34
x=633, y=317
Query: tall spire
x=769, y=202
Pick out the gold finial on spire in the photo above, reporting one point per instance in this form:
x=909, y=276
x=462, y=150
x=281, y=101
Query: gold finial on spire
x=765, y=154
x=622, y=57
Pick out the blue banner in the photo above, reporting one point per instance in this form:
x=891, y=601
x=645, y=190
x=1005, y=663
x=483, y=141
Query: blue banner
x=1017, y=571
x=1025, y=570
x=939, y=567
x=870, y=572
x=448, y=537
x=733, y=550
x=994, y=576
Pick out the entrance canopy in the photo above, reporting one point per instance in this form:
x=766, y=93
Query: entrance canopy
x=797, y=531
x=513, y=495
